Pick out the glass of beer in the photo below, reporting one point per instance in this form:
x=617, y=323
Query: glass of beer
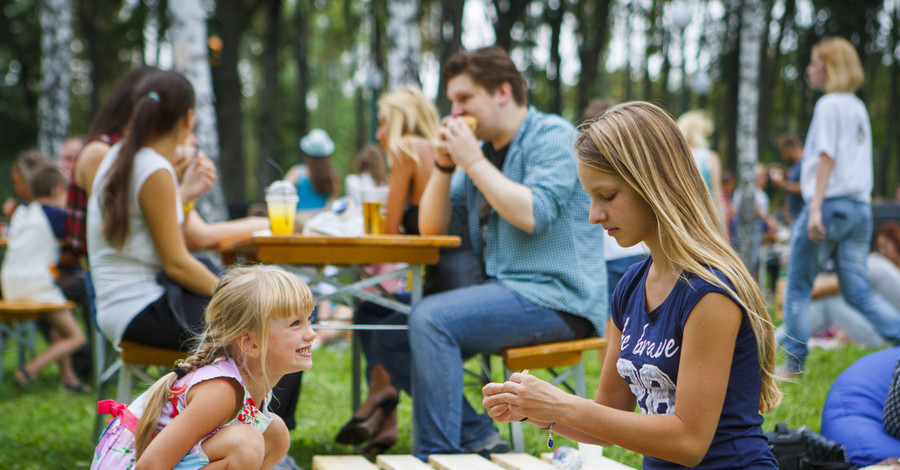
x=374, y=209
x=281, y=204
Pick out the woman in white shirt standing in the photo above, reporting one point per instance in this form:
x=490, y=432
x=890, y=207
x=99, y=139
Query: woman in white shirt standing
x=836, y=184
x=150, y=290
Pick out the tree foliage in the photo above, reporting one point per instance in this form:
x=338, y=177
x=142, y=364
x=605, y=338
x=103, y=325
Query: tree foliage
x=315, y=64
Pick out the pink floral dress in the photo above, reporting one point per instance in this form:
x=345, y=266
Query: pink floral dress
x=116, y=447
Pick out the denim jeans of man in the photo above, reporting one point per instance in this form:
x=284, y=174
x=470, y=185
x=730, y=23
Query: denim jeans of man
x=444, y=330
x=848, y=230
x=616, y=269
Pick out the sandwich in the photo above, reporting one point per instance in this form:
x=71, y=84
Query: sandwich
x=471, y=121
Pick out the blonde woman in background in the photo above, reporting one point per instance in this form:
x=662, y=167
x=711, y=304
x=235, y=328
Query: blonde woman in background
x=408, y=123
x=697, y=127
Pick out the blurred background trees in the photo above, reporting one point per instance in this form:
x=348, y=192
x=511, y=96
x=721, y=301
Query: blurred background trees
x=281, y=67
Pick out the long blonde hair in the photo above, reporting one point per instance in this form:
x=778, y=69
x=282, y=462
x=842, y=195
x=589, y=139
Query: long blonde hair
x=408, y=113
x=843, y=69
x=641, y=143
x=246, y=299
x=696, y=127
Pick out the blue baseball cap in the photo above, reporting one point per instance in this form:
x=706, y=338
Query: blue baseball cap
x=317, y=144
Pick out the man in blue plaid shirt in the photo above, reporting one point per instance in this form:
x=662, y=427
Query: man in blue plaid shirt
x=519, y=196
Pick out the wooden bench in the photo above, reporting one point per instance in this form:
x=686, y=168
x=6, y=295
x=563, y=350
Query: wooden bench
x=565, y=354
x=599, y=463
x=17, y=323
x=133, y=360
x=511, y=461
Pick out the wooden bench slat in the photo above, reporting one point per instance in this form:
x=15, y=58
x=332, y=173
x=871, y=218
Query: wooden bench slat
x=135, y=353
x=601, y=463
x=564, y=346
x=341, y=462
x=461, y=462
x=401, y=462
x=28, y=310
x=544, y=356
x=517, y=461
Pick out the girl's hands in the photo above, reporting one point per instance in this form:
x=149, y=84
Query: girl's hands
x=199, y=176
x=523, y=395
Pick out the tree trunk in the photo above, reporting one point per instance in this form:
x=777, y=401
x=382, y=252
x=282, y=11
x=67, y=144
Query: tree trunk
x=508, y=13
x=188, y=35
x=232, y=20
x=554, y=18
x=267, y=122
x=56, y=55
x=301, y=56
x=404, y=44
x=593, y=30
x=449, y=42
x=652, y=37
x=763, y=124
x=748, y=102
x=629, y=85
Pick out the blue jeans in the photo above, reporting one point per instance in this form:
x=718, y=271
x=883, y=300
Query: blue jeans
x=848, y=230
x=616, y=269
x=444, y=330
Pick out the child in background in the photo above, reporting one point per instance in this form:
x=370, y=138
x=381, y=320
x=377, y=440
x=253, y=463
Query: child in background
x=257, y=330
x=691, y=341
x=29, y=270
x=26, y=161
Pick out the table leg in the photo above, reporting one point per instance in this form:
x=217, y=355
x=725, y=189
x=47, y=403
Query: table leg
x=357, y=382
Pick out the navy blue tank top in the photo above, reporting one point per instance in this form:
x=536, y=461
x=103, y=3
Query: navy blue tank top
x=649, y=357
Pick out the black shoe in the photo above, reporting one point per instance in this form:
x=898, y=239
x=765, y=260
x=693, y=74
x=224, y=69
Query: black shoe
x=495, y=445
x=373, y=449
x=358, y=430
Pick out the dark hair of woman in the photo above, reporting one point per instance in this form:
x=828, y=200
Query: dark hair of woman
x=114, y=113
x=322, y=175
x=160, y=101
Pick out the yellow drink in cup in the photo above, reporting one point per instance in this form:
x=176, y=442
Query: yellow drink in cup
x=374, y=210
x=281, y=204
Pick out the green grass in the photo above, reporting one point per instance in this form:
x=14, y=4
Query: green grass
x=45, y=427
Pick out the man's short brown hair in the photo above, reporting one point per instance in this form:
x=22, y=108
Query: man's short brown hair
x=489, y=67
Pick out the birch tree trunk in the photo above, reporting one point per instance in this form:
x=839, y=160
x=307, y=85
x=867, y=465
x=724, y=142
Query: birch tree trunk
x=404, y=44
x=748, y=104
x=56, y=54
x=188, y=36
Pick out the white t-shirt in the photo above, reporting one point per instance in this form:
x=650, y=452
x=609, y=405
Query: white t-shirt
x=31, y=252
x=125, y=280
x=612, y=250
x=840, y=129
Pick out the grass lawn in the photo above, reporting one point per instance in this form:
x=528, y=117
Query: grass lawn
x=48, y=428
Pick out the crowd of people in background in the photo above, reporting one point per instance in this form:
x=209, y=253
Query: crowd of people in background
x=112, y=225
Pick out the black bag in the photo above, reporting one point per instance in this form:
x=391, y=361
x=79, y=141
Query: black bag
x=786, y=446
x=804, y=449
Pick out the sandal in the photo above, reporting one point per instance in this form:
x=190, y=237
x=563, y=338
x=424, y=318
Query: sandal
x=77, y=388
x=23, y=378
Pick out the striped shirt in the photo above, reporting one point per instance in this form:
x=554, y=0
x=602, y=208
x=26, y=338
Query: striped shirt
x=560, y=264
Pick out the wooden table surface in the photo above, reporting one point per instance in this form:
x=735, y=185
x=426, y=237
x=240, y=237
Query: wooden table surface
x=316, y=249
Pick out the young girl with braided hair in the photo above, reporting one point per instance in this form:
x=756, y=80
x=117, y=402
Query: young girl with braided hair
x=212, y=410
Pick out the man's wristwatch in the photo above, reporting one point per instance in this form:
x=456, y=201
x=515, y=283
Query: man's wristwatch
x=445, y=169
